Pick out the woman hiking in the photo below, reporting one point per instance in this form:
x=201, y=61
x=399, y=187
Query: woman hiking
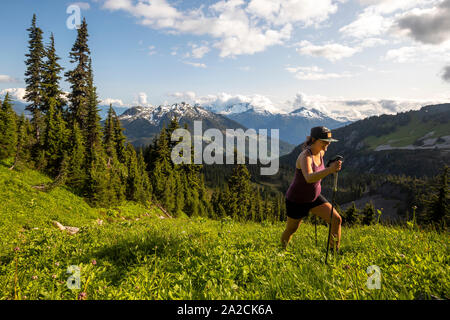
x=303, y=195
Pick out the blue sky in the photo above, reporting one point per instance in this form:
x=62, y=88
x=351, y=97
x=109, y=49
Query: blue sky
x=352, y=57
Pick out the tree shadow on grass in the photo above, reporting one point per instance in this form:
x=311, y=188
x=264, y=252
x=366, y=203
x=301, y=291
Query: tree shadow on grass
x=127, y=253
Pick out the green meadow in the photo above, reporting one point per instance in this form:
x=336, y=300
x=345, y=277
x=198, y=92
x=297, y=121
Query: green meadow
x=130, y=252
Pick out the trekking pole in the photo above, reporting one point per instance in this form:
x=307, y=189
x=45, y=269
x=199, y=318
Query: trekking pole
x=337, y=158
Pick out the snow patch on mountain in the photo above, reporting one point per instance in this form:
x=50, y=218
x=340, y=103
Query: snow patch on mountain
x=154, y=114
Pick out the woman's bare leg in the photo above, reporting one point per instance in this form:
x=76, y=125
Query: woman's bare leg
x=291, y=226
x=323, y=211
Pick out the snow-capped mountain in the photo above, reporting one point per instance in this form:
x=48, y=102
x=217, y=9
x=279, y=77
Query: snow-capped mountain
x=142, y=124
x=238, y=108
x=293, y=126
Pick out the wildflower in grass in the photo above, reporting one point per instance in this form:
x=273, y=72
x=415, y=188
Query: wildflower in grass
x=94, y=262
x=34, y=277
x=82, y=296
x=346, y=267
x=57, y=264
x=54, y=276
x=16, y=249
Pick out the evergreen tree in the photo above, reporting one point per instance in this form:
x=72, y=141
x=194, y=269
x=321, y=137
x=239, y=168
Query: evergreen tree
x=93, y=128
x=77, y=170
x=351, y=215
x=8, y=129
x=119, y=138
x=55, y=137
x=98, y=189
x=79, y=78
x=33, y=77
x=240, y=189
x=109, y=134
x=146, y=192
x=138, y=187
x=368, y=214
x=22, y=152
x=437, y=204
x=50, y=80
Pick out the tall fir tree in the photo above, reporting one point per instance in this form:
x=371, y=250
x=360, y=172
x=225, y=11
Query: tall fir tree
x=8, y=129
x=93, y=128
x=109, y=134
x=119, y=138
x=50, y=79
x=33, y=78
x=79, y=78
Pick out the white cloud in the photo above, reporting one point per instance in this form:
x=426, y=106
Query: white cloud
x=281, y=12
x=391, y=6
x=370, y=23
x=195, y=64
x=15, y=94
x=7, y=79
x=142, y=99
x=187, y=96
x=372, y=42
x=114, y=102
x=419, y=53
x=330, y=51
x=315, y=73
x=238, y=27
x=355, y=109
x=82, y=5
x=199, y=52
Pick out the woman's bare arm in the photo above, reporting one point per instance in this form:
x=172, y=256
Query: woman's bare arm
x=304, y=162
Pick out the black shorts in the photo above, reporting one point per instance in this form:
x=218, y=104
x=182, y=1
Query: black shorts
x=300, y=210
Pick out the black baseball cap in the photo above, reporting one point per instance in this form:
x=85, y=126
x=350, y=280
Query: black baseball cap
x=322, y=133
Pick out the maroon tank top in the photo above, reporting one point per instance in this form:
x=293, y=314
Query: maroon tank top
x=300, y=191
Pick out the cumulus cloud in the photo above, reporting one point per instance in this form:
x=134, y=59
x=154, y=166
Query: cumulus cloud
x=370, y=23
x=238, y=27
x=355, y=109
x=142, y=98
x=430, y=26
x=7, y=79
x=315, y=73
x=15, y=94
x=330, y=51
x=114, y=102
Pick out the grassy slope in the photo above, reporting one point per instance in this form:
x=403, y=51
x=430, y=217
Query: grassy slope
x=406, y=135
x=152, y=258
